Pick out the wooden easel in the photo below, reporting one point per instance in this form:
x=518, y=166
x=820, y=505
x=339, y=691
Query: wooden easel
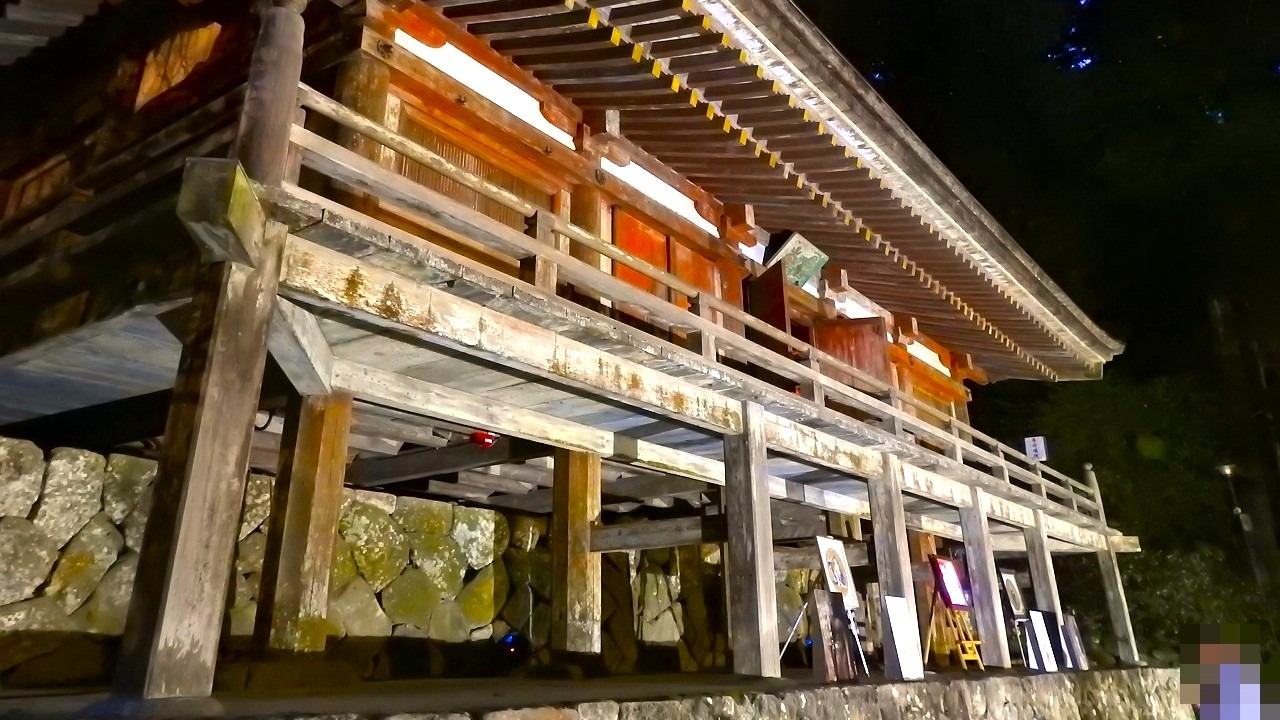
x=951, y=636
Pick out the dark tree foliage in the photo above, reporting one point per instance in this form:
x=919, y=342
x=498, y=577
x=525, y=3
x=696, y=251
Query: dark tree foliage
x=1132, y=149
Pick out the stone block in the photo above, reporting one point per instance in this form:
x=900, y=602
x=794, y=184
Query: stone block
x=449, y=623
x=257, y=503
x=126, y=478
x=80, y=662
x=21, y=477
x=485, y=595
x=542, y=713
x=72, y=493
x=31, y=628
x=411, y=598
x=343, y=570
x=108, y=607
x=357, y=612
x=476, y=532
x=441, y=560
x=377, y=543
x=84, y=562
x=423, y=518
x=27, y=555
x=527, y=531
x=250, y=552
x=135, y=525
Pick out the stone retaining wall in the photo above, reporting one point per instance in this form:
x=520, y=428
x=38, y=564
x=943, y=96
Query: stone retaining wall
x=418, y=587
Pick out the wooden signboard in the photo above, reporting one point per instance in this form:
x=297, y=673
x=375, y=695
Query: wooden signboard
x=833, y=637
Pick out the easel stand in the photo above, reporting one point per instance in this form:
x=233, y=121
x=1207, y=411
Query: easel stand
x=836, y=641
x=951, y=636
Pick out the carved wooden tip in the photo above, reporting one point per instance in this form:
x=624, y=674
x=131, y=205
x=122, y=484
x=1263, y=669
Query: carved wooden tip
x=220, y=211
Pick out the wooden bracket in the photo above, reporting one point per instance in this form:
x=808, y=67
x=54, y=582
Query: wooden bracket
x=220, y=210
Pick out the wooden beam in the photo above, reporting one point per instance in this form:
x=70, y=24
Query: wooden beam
x=893, y=565
x=984, y=584
x=1118, y=607
x=753, y=625
x=1043, y=579
x=175, y=620
x=419, y=464
x=575, y=569
x=300, y=349
x=392, y=301
x=220, y=211
x=306, y=504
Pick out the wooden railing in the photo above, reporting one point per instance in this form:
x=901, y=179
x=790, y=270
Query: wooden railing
x=808, y=366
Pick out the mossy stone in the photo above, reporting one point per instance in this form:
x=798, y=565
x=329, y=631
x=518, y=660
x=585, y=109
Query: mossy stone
x=442, y=561
x=449, y=624
x=421, y=517
x=342, y=569
x=377, y=543
x=475, y=530
x=410, y=599
x=484, y=596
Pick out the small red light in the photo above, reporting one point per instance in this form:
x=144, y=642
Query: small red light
x=484, y=439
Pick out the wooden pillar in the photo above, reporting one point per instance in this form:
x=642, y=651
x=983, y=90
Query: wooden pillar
x=575, y=570
x=753, y=623
x=893, y=565
x=984, y=583
x=1118, y=607
x=175, y=618
x=1043, y=579
x=363, y=85
x=306, y=504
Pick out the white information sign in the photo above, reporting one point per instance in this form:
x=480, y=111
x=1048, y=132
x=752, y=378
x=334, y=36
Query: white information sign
x=904, y=633
x=1036, y=448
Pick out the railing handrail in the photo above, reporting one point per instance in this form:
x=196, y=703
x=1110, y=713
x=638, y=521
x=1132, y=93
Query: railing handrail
x=728, y=340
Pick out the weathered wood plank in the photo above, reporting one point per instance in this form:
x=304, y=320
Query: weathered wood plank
x=171, y=638
x=984, y=584
x=1118, y=607
x=575, y=569
x=753, y=626
x=893, y=565
x=1043, y=579
x=300, y=349
x=306, y=503
x=316, y=274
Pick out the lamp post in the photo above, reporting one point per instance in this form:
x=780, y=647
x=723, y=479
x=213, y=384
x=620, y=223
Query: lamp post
x=1228, y=472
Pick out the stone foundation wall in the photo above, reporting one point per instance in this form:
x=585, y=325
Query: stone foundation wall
x=407, y=572
x=1146, y=694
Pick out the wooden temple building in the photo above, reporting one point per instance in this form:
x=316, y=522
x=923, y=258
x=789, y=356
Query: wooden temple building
x=662, y=271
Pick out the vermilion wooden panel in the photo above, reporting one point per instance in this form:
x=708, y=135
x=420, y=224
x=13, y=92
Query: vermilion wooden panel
x=859, y=342
x=693, y=268
x=633, y=235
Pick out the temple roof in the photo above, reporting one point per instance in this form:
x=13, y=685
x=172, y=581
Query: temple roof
x=748, y=100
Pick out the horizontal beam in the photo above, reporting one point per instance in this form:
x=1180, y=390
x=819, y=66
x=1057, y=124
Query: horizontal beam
x=432, y=462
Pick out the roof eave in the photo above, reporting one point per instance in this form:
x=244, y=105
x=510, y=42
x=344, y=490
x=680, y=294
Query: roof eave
x=787, y=42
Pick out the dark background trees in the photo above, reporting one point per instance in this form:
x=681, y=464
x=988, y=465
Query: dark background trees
x=1134, y=150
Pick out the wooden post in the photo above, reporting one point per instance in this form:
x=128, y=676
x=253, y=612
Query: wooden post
x=984, y=583
x=753, y=625
x=1091, y=478
x=893, y=565
x=175, y=619
x=306, y=504
x=1118, y=607
x=1043, y=579
x=575, y=570
x=536, y=270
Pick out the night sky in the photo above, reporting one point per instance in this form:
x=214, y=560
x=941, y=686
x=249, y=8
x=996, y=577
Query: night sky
x=1133, y=148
